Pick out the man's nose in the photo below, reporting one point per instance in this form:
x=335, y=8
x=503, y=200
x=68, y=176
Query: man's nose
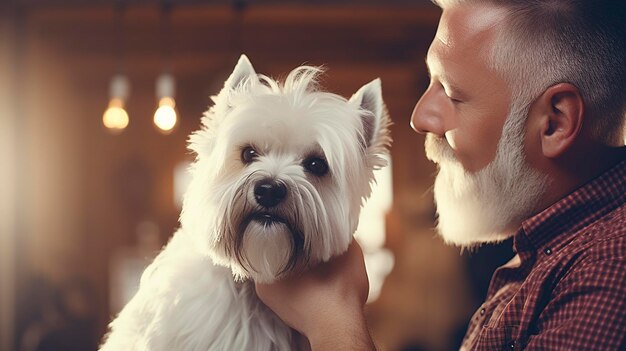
x=428, y=112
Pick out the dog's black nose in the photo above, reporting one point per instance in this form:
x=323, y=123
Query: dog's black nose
x=269, y=193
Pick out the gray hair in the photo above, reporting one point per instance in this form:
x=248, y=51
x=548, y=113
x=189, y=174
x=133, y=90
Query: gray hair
x=581, y=42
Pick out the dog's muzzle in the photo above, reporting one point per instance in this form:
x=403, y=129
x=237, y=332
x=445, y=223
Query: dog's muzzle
x=269, y=193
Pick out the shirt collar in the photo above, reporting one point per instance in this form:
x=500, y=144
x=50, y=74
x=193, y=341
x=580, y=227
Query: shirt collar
x=555, y=226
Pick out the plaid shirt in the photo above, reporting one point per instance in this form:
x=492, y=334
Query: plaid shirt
x=566, y=287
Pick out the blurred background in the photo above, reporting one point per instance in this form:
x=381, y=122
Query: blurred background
x=88, y=196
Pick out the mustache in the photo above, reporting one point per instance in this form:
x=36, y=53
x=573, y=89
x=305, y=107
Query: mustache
x=438, y=150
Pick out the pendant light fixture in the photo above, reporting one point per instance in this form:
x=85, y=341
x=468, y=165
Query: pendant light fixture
x=115, y=118
x=165, y=117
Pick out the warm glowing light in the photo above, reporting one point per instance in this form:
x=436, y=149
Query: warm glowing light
x=115, y=117
x=165, y=115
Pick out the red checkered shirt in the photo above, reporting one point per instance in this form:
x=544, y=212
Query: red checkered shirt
x=566, y=287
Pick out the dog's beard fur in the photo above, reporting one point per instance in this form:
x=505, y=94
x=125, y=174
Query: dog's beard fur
x=269, y=246
x=489, y=205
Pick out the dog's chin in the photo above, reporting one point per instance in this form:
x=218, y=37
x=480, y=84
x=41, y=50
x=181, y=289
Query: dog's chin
x=267, y=247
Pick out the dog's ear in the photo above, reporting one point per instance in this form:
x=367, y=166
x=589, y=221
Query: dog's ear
x=375, y=118
x=243, y=70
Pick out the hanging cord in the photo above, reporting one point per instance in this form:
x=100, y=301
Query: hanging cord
x=239, y=8
x=120, y=36
x=166, y=33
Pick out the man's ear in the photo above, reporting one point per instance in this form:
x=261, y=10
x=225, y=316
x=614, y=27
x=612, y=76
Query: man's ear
x=561, y=110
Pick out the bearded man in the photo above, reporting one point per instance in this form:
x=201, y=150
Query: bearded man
x=524, y=116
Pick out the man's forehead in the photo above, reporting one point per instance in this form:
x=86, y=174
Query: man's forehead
x=464, y=24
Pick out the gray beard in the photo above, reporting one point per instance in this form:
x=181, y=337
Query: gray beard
x=489, y=205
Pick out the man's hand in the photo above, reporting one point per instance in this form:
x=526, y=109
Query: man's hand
x=325, y=303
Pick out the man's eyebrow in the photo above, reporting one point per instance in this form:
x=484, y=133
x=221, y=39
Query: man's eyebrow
x=444, y=42
x=457, y=92
x=427, y=66
x=445, y=79
x=428, y=59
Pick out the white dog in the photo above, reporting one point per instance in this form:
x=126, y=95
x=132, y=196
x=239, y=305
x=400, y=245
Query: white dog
x=278, y=183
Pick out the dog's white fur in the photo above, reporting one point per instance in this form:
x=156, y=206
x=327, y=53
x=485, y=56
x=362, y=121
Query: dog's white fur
x=198, y=294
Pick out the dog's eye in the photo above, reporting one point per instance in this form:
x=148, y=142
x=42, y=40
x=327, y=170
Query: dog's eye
x=316, y=166
x=248, y=154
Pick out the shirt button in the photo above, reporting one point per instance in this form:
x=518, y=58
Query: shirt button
x=512, y=345
x=548, y=251
x=482, y=311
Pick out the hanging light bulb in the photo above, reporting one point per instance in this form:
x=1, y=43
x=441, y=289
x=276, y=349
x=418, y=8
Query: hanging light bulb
x=115, y=118
x=165, y=116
